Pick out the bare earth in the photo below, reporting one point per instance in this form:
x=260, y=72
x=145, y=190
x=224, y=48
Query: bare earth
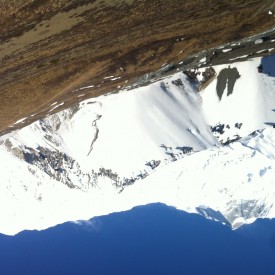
x=51, y=48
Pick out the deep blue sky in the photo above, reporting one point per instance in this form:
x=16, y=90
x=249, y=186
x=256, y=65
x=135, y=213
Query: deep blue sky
x=153, y=239
x=268, y=63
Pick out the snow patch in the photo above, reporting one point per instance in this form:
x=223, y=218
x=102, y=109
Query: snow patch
x=227, y=50
x=20, y=120
x=239, y=57
x=259, y=41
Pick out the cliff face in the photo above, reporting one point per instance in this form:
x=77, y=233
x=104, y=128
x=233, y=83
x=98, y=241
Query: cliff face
x=51, y=50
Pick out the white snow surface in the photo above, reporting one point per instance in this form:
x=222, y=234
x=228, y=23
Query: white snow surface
x=132, y=127
x=50, y=170
x=252, y=102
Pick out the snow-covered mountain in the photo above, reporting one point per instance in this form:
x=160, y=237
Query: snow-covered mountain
x=114, y=152
x=246, y=103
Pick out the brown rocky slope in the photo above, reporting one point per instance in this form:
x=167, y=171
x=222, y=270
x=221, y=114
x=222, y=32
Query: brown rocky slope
x=51, y=48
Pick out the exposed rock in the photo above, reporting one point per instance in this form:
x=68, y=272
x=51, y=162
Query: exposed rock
x=208, y=76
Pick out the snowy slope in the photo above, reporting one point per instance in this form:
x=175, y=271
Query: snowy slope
x=127, y=134
x=249, y=107
x=237, y=180
x=232, y=184
x=99, y=157
x=133, y=126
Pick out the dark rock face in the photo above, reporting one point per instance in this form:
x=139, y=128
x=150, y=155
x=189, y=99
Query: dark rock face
x=49, y=49
x=220, y=129
x=54, y=163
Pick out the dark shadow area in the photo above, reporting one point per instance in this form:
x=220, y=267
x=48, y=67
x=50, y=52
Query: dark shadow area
x=152, y=239
x=185, y=149
x=268, y=65
x=227, y=77
x=272, y=124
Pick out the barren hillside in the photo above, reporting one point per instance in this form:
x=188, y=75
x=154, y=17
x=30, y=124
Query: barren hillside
x=49, y=49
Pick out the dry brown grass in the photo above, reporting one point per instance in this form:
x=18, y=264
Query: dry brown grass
x=8, y=7
x=50, y=48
